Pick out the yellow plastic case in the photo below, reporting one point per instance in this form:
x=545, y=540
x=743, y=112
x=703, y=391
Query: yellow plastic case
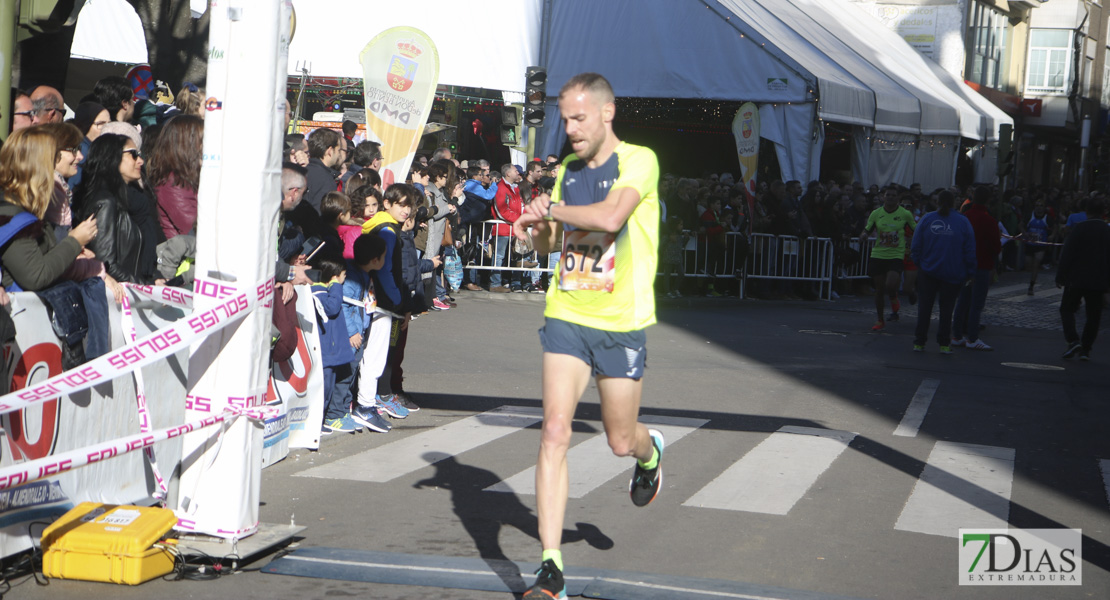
x=106, y=542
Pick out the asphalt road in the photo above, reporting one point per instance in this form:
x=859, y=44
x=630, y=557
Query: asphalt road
x=744, y=370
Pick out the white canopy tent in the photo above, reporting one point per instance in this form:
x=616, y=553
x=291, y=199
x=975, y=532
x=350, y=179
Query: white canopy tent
x=804, y=62
x=109, y=30
x=482, y=43
x=908, y=119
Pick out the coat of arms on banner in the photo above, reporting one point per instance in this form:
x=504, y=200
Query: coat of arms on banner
x=746, y=127
x=402, y=67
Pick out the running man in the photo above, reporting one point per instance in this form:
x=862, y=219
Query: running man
x=890, y=222
x=606, y=207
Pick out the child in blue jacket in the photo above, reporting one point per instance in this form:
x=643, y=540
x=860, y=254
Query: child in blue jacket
x=359, y=309
x=335, y=347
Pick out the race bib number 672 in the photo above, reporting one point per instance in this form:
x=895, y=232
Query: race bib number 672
x=588, y=261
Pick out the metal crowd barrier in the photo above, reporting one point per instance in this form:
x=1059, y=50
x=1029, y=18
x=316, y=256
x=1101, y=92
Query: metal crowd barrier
x=760, y=256
x=788, y=258
x=485, y=234
x=859, y=269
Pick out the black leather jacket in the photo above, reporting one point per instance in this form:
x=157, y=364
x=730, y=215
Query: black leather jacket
x=118, y=241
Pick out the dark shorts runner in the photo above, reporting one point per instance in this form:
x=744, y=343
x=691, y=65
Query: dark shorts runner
x=882, y=266
x=609, y=353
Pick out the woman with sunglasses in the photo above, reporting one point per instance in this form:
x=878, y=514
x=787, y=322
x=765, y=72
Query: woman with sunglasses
x=110, y=190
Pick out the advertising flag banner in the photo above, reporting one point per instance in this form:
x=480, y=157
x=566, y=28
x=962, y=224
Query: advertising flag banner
x=400, y=71
x=745, y=128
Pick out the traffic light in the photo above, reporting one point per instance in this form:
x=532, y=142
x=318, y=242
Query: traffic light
x=47, y=16
x=535, y=91
x=510, y=125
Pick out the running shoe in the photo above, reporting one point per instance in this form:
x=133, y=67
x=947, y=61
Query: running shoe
x=1084, y=355
x=946, y=349
x=895, y=305
x=406, y=402
x=549, y=583
x=438, y=304
x=959, y=342
x=344, y=424
x=979, y=345
x=918, y=348
x=645, y=484
x=878, y=326
x=1073, y=349
x=892, y=316
x=371, y=418
x=392, y=407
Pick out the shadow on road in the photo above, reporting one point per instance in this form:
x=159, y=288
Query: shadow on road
x=483, y=514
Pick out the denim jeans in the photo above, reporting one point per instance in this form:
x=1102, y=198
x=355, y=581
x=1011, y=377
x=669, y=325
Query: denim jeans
x=339, y=402
x=98, y=342
x=500, y=249
x=969, y=306
x=928, y=289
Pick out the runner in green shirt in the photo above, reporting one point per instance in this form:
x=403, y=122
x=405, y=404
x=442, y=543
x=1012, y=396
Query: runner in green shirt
x=889, y=222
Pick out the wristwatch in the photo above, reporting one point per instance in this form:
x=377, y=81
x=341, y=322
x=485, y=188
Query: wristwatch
x=548, y=217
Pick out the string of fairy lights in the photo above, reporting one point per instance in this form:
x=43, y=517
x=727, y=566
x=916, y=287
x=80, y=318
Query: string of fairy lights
x=681, y=115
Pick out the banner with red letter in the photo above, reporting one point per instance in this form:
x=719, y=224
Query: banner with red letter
x=400, y=69
x=745, y=128
x=297, y=389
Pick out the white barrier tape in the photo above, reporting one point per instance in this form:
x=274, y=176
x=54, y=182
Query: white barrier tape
x=159, y=344
x=127, y=322
x=172, y=296
x=60, y=463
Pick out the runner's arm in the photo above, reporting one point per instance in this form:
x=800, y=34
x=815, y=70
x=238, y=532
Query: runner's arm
x=609, y=215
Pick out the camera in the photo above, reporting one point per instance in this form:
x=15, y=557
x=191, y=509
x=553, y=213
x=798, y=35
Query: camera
x=424, y=213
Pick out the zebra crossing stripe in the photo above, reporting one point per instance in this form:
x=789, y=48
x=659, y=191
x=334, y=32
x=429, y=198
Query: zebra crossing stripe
x=592, y=463
x=915, y=413
x=962, y=485
x=409, y=454
x=774, y=475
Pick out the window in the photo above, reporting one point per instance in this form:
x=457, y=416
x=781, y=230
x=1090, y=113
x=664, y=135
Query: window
x=1106, y=80
x=987, y=48
x=1049, y=67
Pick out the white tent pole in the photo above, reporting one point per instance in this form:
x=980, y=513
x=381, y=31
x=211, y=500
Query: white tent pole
x=239, y=198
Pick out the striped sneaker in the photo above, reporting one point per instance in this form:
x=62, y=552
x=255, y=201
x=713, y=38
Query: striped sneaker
x=645, y=483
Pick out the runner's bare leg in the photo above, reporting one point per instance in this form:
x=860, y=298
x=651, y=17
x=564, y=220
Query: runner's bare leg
x=565, y=378
x=620, y=409
x=879, y=281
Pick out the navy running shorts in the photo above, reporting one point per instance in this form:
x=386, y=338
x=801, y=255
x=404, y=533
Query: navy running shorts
x=609, y=353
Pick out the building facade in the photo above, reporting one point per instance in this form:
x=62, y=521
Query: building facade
x=1045, y=62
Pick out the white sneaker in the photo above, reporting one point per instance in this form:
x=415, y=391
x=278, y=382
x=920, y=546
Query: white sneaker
x=959, y=342
x=978, y=345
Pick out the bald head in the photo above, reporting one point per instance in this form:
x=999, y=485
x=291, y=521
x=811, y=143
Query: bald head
x=596, y=85
x=47, y=105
